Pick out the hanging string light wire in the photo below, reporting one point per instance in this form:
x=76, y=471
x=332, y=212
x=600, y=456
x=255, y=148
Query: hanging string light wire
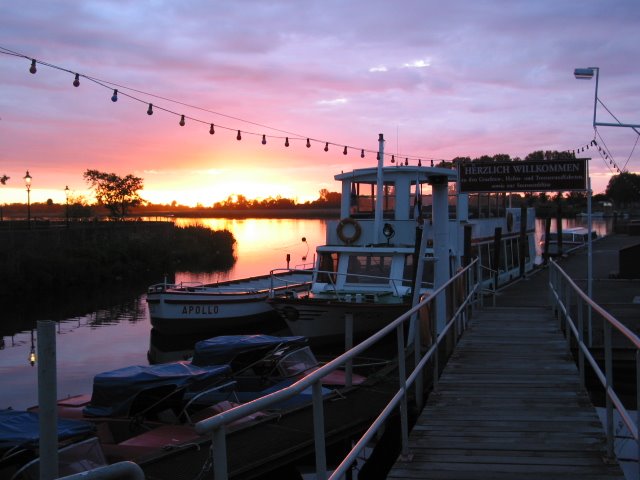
x=131, y=93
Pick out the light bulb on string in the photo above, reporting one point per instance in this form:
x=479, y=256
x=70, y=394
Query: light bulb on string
x=182, y=121
x=362, y=153
x=211, y=130
x=286, y=142
x=308, y=143
x=76, y=81
x=326, y=147
x=393, y=159
x=406, y=161
x=238, y=137
x=114, y=97
x=150, y=109
x=264, y=139
x=33, y=68
x=419, y=162
x=344, y=152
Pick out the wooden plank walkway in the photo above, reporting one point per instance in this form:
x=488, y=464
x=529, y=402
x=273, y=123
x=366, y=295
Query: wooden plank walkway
x=509, y=406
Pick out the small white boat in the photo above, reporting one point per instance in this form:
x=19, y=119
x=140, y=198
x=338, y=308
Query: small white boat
x=223, y=307
x=571, y=238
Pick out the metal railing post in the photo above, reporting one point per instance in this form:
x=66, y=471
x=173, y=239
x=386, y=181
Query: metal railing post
x=318, y=432
x=567, y=317
x=581, y=369
x=638, y=406
x=434, y=336
x=219, y=453
x=402, y=385
x=417, y=356
x=348, y=345
x=608, y=369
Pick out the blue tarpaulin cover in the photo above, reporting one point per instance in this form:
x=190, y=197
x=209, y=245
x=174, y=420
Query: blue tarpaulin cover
x=20, y=428
x=114, y=391
x=224, y=348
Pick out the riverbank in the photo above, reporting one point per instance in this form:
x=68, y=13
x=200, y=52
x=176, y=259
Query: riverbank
x=53, y=259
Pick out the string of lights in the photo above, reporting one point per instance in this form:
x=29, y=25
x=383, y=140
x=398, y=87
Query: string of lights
x=120, y=90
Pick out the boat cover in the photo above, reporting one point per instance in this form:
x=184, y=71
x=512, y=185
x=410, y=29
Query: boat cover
x=223, y=349
x=22, y=429
x=115, y=391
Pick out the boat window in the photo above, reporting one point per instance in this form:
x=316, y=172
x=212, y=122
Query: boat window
x=297, y=362
x=427, y=272
x=371, y=269
x=510, y=253
x=328, y=265
x=363, y=200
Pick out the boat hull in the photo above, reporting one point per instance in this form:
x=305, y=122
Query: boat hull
x=325, y=321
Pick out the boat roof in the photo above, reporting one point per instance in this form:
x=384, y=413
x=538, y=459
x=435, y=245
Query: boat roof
x=392, y=172
x=22, y=429
x=225, y=348
x=114, y=391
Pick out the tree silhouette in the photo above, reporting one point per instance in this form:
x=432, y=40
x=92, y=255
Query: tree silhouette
x=117, y=194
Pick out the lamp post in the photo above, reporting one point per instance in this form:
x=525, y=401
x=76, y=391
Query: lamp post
x=27, y=182
x=66, y=194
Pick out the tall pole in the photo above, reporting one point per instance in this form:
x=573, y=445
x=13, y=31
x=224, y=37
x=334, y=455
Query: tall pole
x=27, y=182
x=377, y=219
x=66, y=193
x=595, y=100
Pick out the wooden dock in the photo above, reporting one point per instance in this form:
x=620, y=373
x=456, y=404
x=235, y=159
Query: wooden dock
x=509, y=406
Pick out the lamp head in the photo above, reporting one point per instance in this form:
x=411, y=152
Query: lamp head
x=584, y=73
x=388, y=231
x=27, y=179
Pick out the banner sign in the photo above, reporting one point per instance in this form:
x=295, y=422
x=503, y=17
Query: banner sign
x=524, y=176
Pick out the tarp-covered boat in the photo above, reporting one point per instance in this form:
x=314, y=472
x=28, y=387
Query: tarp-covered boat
x=116, y=391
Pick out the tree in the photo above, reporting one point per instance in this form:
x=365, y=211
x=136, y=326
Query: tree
x=117, y=194
x=624, y=189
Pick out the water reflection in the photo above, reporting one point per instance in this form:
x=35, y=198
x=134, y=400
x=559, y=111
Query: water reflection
x=116, y=332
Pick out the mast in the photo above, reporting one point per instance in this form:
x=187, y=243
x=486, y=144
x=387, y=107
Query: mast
x=377, y=219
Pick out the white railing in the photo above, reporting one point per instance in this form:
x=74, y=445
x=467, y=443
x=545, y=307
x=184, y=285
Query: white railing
x=564, y=295
x=466, y=280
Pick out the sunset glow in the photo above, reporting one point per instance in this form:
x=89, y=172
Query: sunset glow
x=439, y=80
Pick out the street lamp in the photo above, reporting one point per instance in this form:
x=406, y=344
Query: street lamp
x=66, y=194
x=27, y=182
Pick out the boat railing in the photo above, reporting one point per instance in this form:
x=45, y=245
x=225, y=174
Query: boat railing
x=124, y=470
x=575, y=311
x=463, y=288
x=332, y=275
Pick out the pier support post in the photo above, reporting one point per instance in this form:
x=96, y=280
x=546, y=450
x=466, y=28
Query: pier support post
x=440, y=191
x=47, y=397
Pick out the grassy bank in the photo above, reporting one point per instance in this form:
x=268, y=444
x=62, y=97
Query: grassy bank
x=94, y=255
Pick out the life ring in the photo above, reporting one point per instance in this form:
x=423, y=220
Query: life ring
x=357, y=230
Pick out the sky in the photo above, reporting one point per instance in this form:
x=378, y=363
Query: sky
x=438, y=79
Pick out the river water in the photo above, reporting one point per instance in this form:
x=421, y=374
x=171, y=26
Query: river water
x=119, y=335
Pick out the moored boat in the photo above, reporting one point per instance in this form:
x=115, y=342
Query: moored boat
x=232, y=306
x=570, y=239
x=366, y=270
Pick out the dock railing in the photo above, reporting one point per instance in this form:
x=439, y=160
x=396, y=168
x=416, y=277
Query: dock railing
x=460, y=294
x=573, y=306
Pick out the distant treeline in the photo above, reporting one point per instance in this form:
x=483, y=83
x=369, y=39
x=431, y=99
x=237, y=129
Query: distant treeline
x=89, y=255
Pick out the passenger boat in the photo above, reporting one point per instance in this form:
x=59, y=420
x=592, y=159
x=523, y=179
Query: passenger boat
x=223, y=307
x=571, y=238
x=366, y=268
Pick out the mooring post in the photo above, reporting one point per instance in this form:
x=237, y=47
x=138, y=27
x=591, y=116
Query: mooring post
x=47, y=397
